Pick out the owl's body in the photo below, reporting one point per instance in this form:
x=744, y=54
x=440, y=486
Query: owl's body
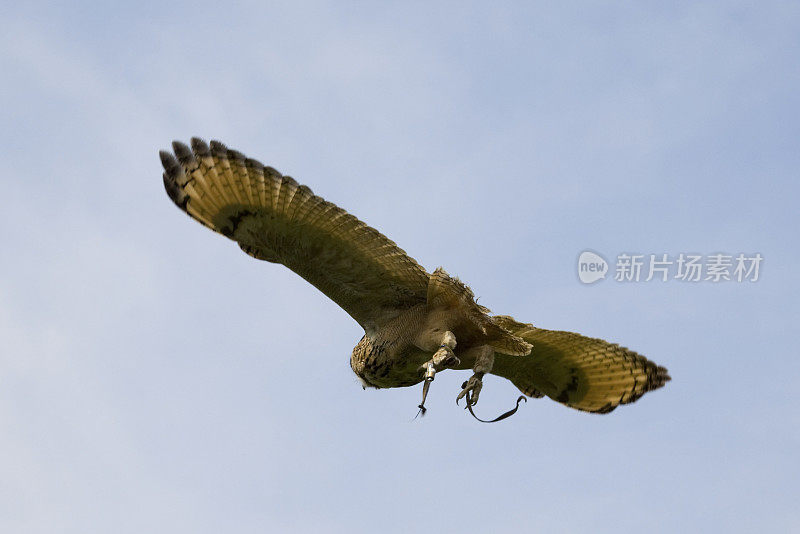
x=387, y=360
x=415, y=323
x=395, y=355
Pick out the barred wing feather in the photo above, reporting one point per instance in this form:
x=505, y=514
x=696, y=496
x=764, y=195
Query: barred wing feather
x=273, y=218
x=584, y=373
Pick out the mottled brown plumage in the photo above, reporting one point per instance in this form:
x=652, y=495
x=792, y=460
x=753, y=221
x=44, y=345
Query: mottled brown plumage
x=415, y=323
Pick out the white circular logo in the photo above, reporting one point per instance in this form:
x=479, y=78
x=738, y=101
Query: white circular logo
x=591, y=267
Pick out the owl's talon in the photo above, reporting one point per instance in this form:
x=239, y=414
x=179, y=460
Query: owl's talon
x=442, y=359
x=471, y=389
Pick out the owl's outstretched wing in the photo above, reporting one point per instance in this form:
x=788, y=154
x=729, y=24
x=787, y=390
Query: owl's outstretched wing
x=584, y=373
x=273, y=218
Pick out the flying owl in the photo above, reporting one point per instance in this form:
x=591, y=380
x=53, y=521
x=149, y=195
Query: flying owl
x=415, y=323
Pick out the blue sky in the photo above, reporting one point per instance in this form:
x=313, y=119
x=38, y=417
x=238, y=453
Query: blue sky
x=154, y=378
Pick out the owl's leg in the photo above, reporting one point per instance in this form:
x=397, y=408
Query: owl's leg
x=484, y=360
x=442, y=345
x=442, y=359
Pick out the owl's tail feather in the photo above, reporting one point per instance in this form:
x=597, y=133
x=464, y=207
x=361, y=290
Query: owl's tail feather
x=581, y=372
